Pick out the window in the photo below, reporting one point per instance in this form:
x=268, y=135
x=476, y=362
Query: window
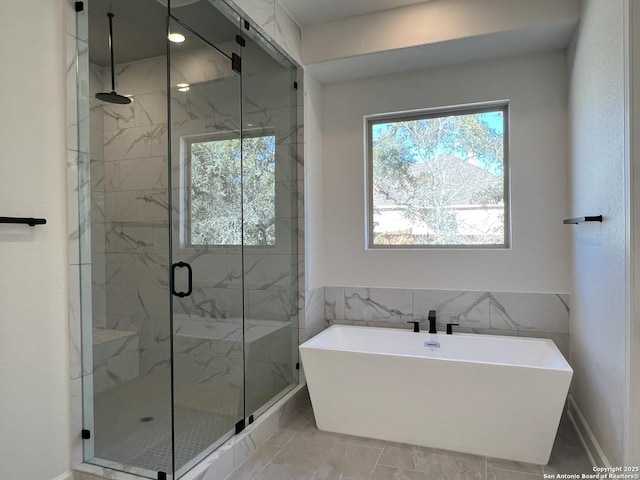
x=438, y=178
x=225, y=196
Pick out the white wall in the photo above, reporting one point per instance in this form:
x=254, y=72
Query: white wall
x=633, y=339
x=538, y=261
x=597, y=109
x=34, y=371
x=313, y=193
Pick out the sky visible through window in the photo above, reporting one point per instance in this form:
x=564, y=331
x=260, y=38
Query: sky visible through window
x=493, y=121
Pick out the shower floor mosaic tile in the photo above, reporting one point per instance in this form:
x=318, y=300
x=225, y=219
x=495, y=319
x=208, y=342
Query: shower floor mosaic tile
x=132, y=423
x=299, y=451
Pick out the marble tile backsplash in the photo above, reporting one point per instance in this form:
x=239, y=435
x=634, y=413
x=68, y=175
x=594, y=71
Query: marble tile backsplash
x=540, y=315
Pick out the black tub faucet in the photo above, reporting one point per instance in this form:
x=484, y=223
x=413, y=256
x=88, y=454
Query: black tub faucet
x=432, y=321
x=416, y=325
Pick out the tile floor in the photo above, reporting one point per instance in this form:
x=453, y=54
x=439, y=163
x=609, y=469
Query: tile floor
x=299, y=451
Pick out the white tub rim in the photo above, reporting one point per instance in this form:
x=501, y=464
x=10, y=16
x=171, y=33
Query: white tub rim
x=565, y=366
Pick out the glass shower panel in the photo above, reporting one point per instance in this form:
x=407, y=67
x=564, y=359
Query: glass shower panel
x=270, y=224
x=206, y=179
x=128, y=391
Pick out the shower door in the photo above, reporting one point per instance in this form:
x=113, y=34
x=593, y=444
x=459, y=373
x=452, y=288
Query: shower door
x=207, y=235
x=233, y=121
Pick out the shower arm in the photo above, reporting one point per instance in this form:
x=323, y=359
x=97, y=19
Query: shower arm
x=113, y=75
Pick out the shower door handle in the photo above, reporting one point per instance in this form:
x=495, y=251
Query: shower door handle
x=173, y=279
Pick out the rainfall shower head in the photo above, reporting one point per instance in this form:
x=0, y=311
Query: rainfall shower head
x=112, y=97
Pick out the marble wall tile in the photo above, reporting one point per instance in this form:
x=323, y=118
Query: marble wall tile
x=137, y=269
x=83, y=95
x=96, y=84
x=127, y=143
x=261, y=12
x=191, y=346
x=155, y=332
x=73, y=218
x=300, y=117
x=203, y=369
x=116, y=117
x=497, y=313
x=129, y=323
x=470, y=309
x=287, y=128
x=141, y=77
x=150, y=108
x=393, y=305
x=198, y=66
x=215, y=303
x=153, y=301
x=269, y=272
x=334, y=303
x=122, y=368
x=266, y=379
x=315, y=320
x=271, y=305
x=224, y=97
x=530, y=312
x=114, y=473
x=193, y=104
x=84, y=206
x=215, y=466
x=155, y=361
x=136, y=237
x=111, y=176
x=98, y=238
x=96, y=148
x=288, y=235
x=288, y=200
x=111, y=343
x=287, y=159
x=287, y=33
x=122, y=300
x=209, y=269
x=159, y=136
x=120, y=207
x=75, y=319
x=96, y=155
x=86, y=308
x=267, y=92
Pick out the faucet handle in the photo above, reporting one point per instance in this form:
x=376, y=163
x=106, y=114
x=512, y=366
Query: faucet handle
x=450, y=327
x=416, y=325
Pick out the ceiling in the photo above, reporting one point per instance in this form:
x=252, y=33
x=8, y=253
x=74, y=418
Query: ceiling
x=310, y=12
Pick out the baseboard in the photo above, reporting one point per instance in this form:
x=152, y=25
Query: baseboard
x=591, y=446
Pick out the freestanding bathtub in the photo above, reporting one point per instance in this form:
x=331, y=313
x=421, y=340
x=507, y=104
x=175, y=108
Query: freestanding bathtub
x=486, y=395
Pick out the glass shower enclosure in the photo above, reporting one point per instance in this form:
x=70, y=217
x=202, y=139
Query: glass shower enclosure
x=190, y=317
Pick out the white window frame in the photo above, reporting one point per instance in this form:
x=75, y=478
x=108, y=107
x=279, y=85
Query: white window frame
x=370, y=120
